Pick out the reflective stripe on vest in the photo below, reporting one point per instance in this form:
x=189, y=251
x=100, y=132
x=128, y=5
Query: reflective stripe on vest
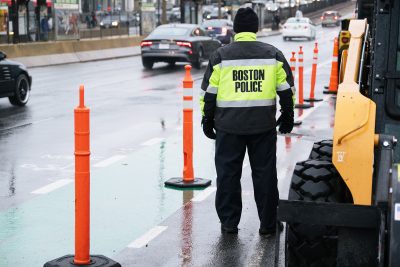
x=246, y=103
x=247, y=62
x=212, y=90
x=283, y=87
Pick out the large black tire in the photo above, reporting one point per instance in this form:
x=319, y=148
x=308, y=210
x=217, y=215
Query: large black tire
x=314, y=245
x=147, y=63
x=21, y=92
x=322, y=150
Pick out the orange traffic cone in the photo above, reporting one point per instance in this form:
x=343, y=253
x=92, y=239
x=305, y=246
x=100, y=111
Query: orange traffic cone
x=333, y=83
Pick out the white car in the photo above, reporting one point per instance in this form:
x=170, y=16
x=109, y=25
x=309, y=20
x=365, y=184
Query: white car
x=299, y=28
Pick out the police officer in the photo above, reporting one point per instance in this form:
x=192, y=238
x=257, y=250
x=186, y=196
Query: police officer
x=238, y=100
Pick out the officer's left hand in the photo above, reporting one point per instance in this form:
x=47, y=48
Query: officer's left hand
x=285, y=123
x=208, y=127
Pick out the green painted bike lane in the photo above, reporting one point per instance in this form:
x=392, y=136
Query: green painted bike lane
x=127, y=199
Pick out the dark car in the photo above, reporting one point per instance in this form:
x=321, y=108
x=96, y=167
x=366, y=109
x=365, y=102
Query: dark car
x=214, y=14
x=222, y=29
x=15, y=81
x=178, y=43
x=330, y=18
x=110, y=22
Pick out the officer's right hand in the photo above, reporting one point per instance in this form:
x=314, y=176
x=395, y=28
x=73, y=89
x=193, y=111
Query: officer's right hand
x=285, y=123
x=208, y=127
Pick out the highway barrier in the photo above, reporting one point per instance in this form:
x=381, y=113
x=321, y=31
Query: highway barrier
x=301, y=103
x=313, y=76
x=334, y=78
x=82, y=196
x=188, y=180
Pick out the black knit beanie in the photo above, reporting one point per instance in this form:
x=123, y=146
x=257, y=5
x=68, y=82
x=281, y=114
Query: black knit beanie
x=246, y=20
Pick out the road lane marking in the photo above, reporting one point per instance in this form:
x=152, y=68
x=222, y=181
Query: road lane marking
x=51, y=187
x=152, y=141
x=147, y=237
x=245, y=165
x=109, y=161
x=204, y=194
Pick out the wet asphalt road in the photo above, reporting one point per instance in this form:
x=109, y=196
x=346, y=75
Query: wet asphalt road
x=129, y=106
x=136, y=146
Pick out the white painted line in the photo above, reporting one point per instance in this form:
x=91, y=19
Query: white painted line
x=109, y=161
x=311, y=110
x=51, y=187
x=44, y=120
x=152, y=141
x=245, y=165
x=204, y=194
x=147, y=237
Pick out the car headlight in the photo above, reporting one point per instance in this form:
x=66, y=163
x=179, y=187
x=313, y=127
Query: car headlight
x=114, y=23
x=101, y=23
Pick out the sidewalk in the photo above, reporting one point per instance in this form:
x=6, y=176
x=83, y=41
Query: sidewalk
x=104, y=54
x=130, y=51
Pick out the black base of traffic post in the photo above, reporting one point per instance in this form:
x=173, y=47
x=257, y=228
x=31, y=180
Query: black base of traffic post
x=303, y=106
x=330, y=92
x=313, y=99
x=297, y=123
x=95, y=261
x=177, y=182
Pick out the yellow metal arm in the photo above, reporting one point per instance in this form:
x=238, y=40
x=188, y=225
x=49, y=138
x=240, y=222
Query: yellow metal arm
x=354, y=131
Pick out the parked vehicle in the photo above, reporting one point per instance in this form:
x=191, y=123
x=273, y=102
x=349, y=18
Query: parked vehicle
x=222, y=29
x=109, y=22
x=214, y=13
x=15, y=81
x=299, y=28
x=330, y=18
x=173, y=43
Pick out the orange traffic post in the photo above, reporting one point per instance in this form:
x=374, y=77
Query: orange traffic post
x=82, y=195
x=293, y=69
x=301, y=103
x=314, y=76
x=187, y=180
x=334, y=78
x=293, y=65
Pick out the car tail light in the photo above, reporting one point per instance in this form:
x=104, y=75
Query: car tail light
x=322, y=17
x=146, y=43
x=224, y=30
x=184, y=44
x=345, y=40
x=335, y=17
x=209, y=28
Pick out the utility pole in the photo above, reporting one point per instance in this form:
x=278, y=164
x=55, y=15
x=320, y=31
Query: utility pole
x=14, y=17
x=182, y=6
x=219, y=9
x=158, y=12
x=164, y=12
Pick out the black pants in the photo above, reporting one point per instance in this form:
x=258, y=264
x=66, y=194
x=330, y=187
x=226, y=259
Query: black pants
x=229, y=154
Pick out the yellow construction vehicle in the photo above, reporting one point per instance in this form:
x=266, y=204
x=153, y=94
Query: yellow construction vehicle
x=344, y=201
